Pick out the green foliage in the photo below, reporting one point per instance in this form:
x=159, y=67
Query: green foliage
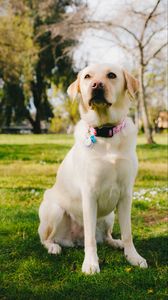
x=18, y=52
x=58, y=124
x=27, y=167
x=31, y=58
x=65, y=117
x=72, y=109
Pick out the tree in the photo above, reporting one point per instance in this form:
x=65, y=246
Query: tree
x=139, y=29
x=18, y=55
x=17, y=48
x=51, y=65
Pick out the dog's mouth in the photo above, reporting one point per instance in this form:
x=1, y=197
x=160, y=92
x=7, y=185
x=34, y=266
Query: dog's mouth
x=93, y=102
x=96, y=101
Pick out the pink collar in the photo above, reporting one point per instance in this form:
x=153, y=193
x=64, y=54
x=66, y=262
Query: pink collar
x=103, y=131
x=107, y=131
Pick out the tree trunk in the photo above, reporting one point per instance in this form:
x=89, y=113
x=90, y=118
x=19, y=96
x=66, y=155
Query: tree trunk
x=144, y=111
x=37, y=124
x=137, y=111
x=34, y=123
x=8, y=113
x=37, y=97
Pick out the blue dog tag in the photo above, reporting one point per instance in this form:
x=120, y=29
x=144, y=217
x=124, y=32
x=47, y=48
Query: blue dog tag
x=93, y=139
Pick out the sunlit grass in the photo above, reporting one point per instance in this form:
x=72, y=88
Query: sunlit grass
x=16, y=139
x=161, y=138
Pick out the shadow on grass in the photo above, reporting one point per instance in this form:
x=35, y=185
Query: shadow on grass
x=38, y=275
x=29, y=272
x=20, y=227
x=152, y=146
x=154, y=250
x=34, y=152
x=23, y=245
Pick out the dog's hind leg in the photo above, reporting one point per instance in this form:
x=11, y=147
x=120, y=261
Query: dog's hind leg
x=115, y=243
x=51, y=215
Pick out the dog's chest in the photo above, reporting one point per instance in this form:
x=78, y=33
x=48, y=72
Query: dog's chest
x=108, y=175
x=107, y=195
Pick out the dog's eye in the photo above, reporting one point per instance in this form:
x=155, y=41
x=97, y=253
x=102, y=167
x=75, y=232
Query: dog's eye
x=111, y=75
x=87, y=76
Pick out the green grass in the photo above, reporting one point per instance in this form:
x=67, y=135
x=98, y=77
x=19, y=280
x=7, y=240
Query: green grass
x=27, y=167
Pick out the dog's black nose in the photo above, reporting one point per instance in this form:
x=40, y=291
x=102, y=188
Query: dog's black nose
x=97, y=85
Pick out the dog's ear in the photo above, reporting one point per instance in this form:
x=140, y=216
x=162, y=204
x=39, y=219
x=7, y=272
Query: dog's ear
x=74, y=89
x=132, y=84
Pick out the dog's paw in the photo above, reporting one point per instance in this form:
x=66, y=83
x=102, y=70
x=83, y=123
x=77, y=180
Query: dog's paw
x=90, y=267
x=117, y=244
x=54, y=249
x=136, y=260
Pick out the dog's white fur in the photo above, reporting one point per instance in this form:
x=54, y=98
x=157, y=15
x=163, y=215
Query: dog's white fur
x=93, y=181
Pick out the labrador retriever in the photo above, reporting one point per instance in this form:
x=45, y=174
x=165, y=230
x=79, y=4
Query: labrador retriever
x=98, y=173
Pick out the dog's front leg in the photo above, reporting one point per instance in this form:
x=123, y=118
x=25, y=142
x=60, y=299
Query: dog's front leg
x=90, y=264
x=124, y=214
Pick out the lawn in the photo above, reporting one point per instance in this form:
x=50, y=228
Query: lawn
x=28, y=165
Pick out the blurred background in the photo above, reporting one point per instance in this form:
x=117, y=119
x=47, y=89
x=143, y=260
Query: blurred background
x=44, y=44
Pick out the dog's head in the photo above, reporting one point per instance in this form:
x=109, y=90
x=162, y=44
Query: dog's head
x=103, y=89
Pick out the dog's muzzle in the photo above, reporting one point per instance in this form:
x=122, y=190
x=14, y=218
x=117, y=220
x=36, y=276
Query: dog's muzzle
x=98, y=98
